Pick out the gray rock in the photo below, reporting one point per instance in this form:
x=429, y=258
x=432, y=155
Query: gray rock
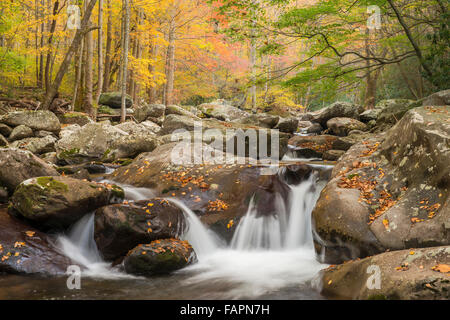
x=152, y=112
x=173, y=109
x=19, y=165
x=337, y=109
x=440, y=98
x=5, y=130
x=287, y=125
x=75, y=118
x=221, y=110
x=333, y=155
x=263, y=120
x=369, y=115
x=21, y=132
x=36, y=145
x=342, y=126
x=3, y=141
x=393, y=110
x=114, y=100
x=36, y=120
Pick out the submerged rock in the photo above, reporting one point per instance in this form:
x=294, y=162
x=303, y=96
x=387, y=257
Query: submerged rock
x=159, y=257
x=19, y=165
x=119, y=228
x=58, y=202
x=412, y=274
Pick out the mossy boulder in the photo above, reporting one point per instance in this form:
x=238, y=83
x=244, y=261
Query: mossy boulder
x=19, y=165
x=221, y=110
x=58, y=202
x=159, y=257
x=79, y=118
x=114, y=100
x=121, y=227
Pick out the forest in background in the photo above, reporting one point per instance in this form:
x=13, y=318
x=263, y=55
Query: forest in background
x=265, y=55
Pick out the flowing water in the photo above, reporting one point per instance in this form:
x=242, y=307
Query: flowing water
x=269, y=257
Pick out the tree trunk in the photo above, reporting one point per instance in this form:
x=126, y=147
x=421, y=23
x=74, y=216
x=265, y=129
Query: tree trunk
x=53, y=90
x=126, y=36
x=49, y=43
x=170, y=65
x=100, y=50
x=107, y=69
x=151, y=90
x=89, y=73
x=369, y=99
x=253, y=74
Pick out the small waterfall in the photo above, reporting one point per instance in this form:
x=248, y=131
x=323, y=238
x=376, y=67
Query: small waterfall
x=202, y=240
x=79, y=245
x=289, y=229
x=133, y=193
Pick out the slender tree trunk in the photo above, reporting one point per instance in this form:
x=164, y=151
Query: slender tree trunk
x=49, y=43
x=170, y=65
x=41, y=46
x=78, y=72
x=53, y=90
x=89, y=73
x=107, y=69
x=100, y=50
x=151, y=90
x=126, y=37
x=369, y=99
x=253, y=74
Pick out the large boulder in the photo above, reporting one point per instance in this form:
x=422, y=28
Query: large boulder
x=36, y=120
x=114, y=100
x=132, y=127
x=159, y=257
x=218, y=193
x=287, y=125
x=5, y=130
x=393, y=110
x=79, y=118
x=441, y=98
x=58, y=202
x=21, y=132
x=333, y=155
x=152, y=112
x=262, y=120
x=311, y=146
x=414, y=274
x=25, y=250
x=174, y=109
x=19, y=165
x=36, y=145
x=119, y=228
x=221, y=110
x=342, y=126
x=390, y=191
x=337, y=109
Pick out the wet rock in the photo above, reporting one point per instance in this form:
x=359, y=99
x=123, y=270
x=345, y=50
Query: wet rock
x=342, y=126
x=119, y=228
x=390, y=191
x=221, y=110
x=19, y=165
x=26, y=250
x=332, y=155
x=337, y=109
x=312, y=146
x=36, y=120
x=159, y=257
x=5, y=130
x=287, y=125
x=114, y=100
x=21, y=132
x=79, y=118
x=218, y=193
x=152, y=112
x=36, y=145
x=58, y=202
x=403, y=275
